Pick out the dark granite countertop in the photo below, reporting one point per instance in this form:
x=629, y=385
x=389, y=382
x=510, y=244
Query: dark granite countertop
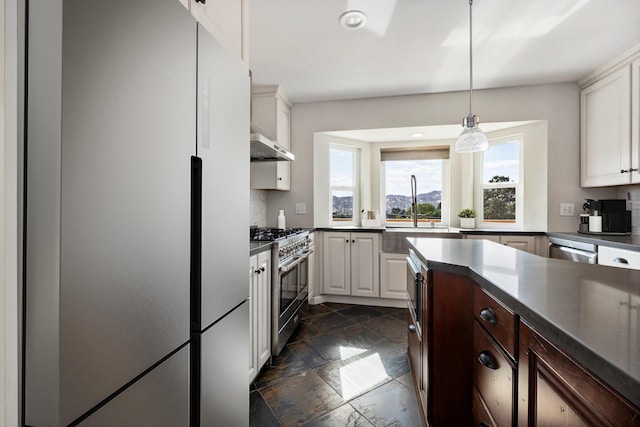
x=489, y=231
x=426, y=229
x=631, y=243
x=357, y=228
x=588, y=311
x=257, y=247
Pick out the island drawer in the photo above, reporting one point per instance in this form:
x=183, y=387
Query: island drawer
x=494, y=376
x=497, y=319
x=481, y=415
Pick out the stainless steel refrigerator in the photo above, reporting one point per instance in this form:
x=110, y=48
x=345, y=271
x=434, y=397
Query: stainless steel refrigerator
x=136, y=212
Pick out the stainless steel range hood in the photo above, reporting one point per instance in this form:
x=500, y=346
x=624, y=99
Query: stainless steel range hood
x=263, y=150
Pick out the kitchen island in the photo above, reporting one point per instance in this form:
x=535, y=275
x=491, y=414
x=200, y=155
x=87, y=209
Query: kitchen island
x=587, y=314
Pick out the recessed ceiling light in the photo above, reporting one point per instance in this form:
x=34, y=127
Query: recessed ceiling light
x=353, y=19
x=417, y=135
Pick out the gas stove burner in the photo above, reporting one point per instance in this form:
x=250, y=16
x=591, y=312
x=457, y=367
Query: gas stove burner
x=271, y=234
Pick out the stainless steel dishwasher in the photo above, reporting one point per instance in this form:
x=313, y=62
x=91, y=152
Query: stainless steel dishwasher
x=573, y=251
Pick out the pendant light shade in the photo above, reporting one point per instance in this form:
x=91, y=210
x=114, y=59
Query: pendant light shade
x=472, y=138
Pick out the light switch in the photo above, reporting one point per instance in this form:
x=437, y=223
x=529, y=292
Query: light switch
x=567, y=209
x=301, y=208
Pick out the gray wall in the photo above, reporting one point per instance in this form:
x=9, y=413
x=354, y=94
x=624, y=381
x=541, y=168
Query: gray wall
x=559, y=104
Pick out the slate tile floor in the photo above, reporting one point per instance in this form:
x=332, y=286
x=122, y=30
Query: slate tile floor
x=346, y=365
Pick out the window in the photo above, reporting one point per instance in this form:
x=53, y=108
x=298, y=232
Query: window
x=428, y=165
x=343, y=184
x=500, y=182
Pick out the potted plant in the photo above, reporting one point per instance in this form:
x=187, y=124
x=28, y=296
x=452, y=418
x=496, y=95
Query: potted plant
x=467, y=218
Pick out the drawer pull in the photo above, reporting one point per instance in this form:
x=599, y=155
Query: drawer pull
x=488, y=315
x=619, y=260
x=412, y=328
x=487, y=359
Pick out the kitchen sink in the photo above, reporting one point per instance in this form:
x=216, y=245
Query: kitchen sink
x=394, y=239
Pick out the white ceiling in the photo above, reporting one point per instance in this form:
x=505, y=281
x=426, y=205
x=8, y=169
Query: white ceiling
x=421, y=46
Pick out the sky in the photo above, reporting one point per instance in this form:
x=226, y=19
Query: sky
x=398, y=176
x=502, y=160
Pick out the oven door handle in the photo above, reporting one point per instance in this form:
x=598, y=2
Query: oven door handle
x=299, y=260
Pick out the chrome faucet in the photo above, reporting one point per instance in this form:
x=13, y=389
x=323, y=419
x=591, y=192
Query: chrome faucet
x=414, y=201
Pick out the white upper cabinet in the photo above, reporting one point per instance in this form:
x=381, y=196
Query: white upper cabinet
x=635, y=121
x=609, y=120
x=271, y=116
x=227, y=21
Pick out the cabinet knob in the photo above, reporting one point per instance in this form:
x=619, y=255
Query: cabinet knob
x=347, y=240
x=486, y=358
x=261, y=268
x=279, y=178
x=353, y=241
x=200, y=1
x=256, y=271
x=624, y=170
x=488, y=315
x=633, y=170
x=412, y=328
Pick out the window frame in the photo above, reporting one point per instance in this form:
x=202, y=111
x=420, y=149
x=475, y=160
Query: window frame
x=355, y=188
x=480, y=185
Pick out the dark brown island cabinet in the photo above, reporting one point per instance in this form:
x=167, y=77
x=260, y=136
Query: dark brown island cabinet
x=477, y=363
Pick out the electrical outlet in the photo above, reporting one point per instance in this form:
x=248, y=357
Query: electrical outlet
x=301, y=208
x=567, y=209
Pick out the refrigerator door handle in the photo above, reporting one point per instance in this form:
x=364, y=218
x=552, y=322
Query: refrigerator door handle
x=195, y=280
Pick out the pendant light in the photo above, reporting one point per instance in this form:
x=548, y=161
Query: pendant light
x=472, y=138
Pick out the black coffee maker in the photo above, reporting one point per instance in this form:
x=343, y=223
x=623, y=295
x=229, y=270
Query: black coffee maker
x=616, y=217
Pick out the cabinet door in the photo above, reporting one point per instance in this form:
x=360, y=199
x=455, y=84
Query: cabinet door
x=524, y=243
x=253, y=317
x=224, y=19
x=283, y=120
x=491, y=237
x=270, y=176
x=393, y=282
x=264, y=308
x=337, y=263
x=270, y=115
x=635, y=121
x=553, y=390
x=606, y=130
x=364, y=265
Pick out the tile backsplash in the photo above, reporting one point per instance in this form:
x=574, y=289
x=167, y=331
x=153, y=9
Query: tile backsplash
x=258, y=208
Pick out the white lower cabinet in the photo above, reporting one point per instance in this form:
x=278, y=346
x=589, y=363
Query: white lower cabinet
x=260, y=312
x=393, y=276
x=351, y=264
x=516, y=241
x=616, y=257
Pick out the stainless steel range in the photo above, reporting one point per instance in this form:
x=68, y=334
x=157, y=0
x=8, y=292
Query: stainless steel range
x=290, y=282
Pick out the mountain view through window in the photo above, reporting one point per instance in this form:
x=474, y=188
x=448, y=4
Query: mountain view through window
x=398, y=190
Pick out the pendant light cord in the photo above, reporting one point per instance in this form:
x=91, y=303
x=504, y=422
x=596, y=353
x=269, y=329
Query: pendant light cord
x=470, y=57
